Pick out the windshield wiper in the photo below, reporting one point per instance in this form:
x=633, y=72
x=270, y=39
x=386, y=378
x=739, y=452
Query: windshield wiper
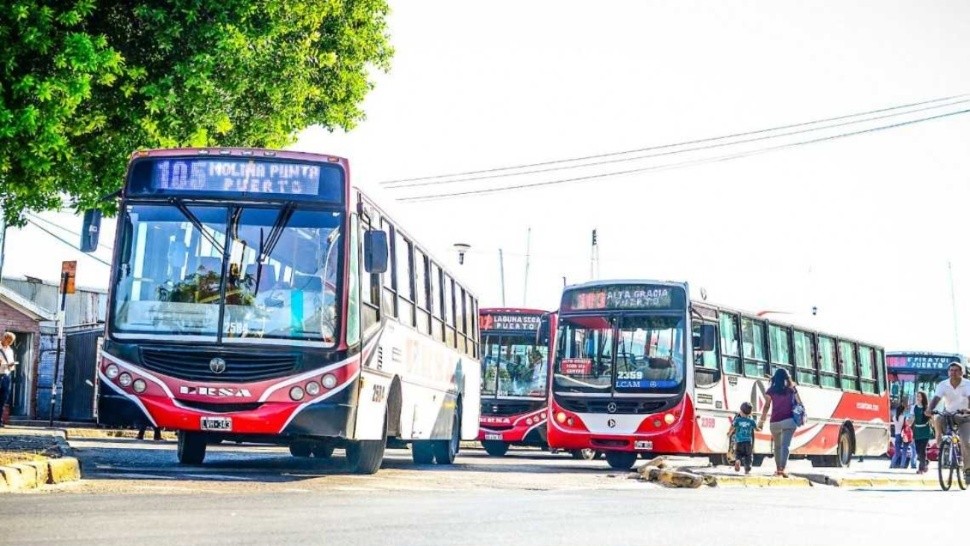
x=266, y=246
x=197, y=224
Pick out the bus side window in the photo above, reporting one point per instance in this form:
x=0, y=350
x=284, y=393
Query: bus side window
x=805, y=358
x=706, y=371
x=847, y=358
x=753, y=345
x=730, y=353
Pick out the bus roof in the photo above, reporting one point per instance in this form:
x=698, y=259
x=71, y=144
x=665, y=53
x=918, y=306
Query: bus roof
x=238, y=152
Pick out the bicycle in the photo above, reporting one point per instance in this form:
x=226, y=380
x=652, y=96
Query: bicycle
x=950, y=459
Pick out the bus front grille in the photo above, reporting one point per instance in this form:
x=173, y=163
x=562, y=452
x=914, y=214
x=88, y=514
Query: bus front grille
x=601, y=405
x=221, y=408
x=196, y=365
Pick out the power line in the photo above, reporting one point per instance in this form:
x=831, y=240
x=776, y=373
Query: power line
x=682, y=164
x=69, y=230
x=45, y=230
x=684, y=143
x=680, y=151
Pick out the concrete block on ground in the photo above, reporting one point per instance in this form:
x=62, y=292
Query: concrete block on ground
x=28, y=475
x=65, y=469
x=11, y=477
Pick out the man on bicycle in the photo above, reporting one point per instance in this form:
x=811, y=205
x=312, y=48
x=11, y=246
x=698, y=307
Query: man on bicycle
x=955, y=393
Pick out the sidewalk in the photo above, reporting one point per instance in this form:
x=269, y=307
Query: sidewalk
x=874, y=474
x=31, y=457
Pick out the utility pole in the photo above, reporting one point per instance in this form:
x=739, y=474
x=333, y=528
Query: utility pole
x=501, y=272
x=594, y=258
x=3, y=238
x=525, y=291
x=953, y=303
x=68, y=273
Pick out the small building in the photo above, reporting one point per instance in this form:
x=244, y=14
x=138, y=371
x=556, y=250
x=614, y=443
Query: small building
x=29, y=305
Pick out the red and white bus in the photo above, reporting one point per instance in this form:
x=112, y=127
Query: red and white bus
x=640, y=368
x=515, y=361
x=256, y=296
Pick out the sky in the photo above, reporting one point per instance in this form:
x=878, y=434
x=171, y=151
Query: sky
x=869, y=229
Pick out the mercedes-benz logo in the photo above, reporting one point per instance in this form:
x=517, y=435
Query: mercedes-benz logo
x=611, y=423
x=217, y=365
x=611, y=407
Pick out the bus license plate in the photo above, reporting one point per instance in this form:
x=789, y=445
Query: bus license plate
x=493, y=436
x=217, y=423
x=643, y=444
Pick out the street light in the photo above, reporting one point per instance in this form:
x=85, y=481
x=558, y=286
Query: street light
x=462, y=248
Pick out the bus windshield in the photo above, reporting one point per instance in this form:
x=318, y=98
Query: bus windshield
x=513, y=366
x=626, y=354
x=231, y=272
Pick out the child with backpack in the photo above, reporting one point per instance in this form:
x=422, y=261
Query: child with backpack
x=742, y=433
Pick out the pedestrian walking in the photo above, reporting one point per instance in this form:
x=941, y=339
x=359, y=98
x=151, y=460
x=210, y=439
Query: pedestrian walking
x=143, y=425
x=921, y=430
x=742, y=434
x=8, y=364
x=782, y=399
x=899, y=419
x=906, y=441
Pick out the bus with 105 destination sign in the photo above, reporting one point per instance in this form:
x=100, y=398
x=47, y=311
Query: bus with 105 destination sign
x=256, y=296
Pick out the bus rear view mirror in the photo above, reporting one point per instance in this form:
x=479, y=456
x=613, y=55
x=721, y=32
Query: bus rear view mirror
x=705, y=338
x=542, y=335
x=375, y=251
x=91, y=230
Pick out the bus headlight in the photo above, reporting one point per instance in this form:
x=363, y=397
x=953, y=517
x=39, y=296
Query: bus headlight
x=561, y=417
x=313, y=388
x=296, y=393
x=139, y=385
x=669, y=418
x=329, y=381
x=112, y=371
x=125, y=379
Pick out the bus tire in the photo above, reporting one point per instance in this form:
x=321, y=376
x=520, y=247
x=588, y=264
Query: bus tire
x=301, y=448
x=322, y=450
x=422, y=452
x=366, y=456
x=843, y=453
x=445, y=451
x=584, y=454
x=495, y=448
x=191, y=447
x=621, y=460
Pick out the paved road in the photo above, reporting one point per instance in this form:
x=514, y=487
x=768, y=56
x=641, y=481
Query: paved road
x=134, y=492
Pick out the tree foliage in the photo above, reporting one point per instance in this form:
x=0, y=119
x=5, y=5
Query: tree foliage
x=84, y=83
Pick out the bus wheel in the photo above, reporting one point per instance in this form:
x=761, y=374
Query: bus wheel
x=301, y=448
x=191, y=447
x=621, y=460
x=366, y=456
x=322, y=450
x=422, y=452
x=843, y=457
x=495, y=448
x=445, y=451
x=584, y=454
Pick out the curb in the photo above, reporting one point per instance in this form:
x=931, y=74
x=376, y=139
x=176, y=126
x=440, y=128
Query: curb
x=76, y=433
x=31, y=475
x=761, y=481
x=822, y=479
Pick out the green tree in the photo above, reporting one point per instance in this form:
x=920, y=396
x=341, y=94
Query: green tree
x=84, y=83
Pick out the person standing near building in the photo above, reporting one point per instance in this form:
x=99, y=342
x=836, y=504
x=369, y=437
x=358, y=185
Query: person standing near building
x=7, y=366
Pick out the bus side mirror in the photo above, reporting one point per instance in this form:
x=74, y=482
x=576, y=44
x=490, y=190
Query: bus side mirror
x=91, y=230
x=706, y=338
x=375, y=251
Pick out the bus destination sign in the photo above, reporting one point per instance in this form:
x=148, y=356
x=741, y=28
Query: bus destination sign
x=927, y=361
x=494, y=321
x=235, y=175
x=625, y=297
